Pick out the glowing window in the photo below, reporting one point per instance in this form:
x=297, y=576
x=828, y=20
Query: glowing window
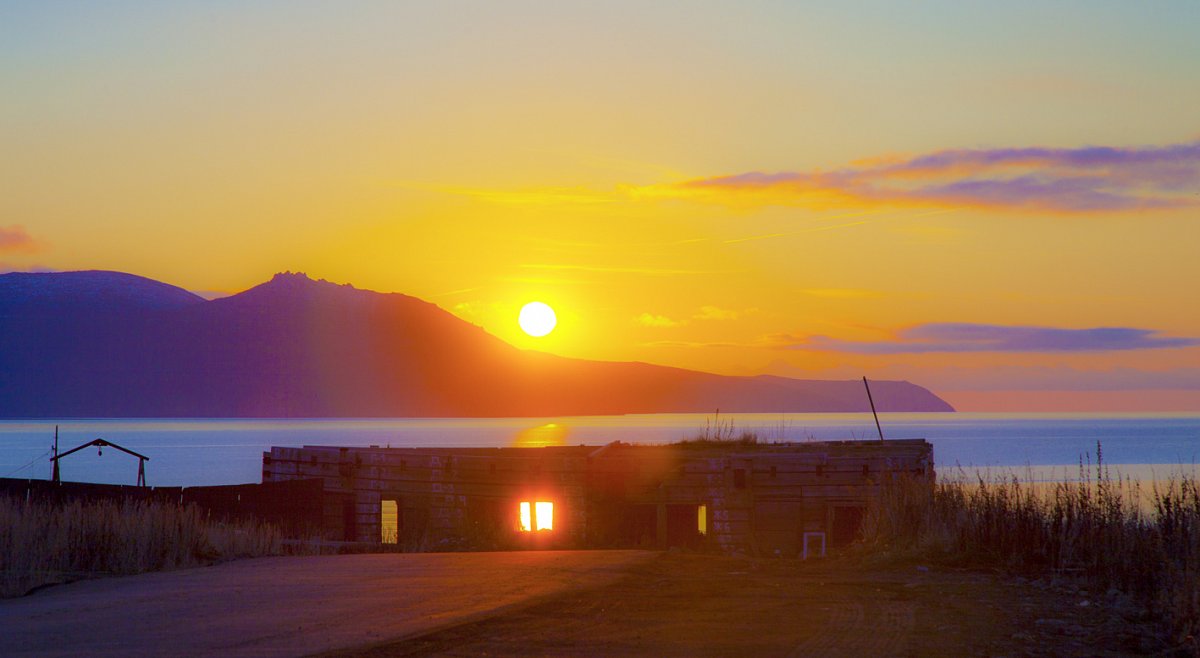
x=538, y=515
x=389, y=522
x=545, y=515
x=702, y=519
x=526, y=518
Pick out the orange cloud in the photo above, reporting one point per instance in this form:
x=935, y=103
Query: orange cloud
x=15, y=239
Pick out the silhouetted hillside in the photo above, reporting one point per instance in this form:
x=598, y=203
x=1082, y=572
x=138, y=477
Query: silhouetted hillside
x=73, y=292
x=105, y=344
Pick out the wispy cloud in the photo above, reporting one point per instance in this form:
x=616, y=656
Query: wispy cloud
x=1089, y=179
x=963, y=337
x=1010, y=377
x=531, y=196
x=687, y=344
x=718, y=313
x=6, y=268
x=1081, y=180
x=451, y=293
x=655, y=271
x=545, y=281
x=660, y=321
x=15, y=239
x=842, y=293
x=703, y=314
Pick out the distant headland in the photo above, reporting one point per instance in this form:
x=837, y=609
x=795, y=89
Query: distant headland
x=107, y=344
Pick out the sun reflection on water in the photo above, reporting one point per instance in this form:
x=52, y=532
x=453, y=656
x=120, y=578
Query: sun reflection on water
x=550, y=434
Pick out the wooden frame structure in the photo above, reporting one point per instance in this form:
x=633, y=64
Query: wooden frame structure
x=100, y=445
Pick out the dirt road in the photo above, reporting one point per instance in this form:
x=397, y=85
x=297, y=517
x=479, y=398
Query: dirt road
x=697, y=605
x=570, y=603
x=291, y=606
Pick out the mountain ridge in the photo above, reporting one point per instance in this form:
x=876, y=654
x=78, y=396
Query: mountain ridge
x=298, y=347
x=48, y=291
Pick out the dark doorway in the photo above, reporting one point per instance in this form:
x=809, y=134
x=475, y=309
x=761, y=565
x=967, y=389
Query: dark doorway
x=846, y=524
x=638, y=526
x=349, y=519
x=683, y=527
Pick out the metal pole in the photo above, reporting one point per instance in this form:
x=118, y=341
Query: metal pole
x=872, y=401
x=54, y=460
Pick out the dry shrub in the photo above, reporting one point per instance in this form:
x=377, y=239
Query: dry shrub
x=45, y=543
x=1093, y=530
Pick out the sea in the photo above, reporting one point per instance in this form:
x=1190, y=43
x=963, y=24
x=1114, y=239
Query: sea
x=195, y=452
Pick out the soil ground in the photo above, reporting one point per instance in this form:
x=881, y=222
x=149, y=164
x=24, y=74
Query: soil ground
x=704, y=605
x=291, y=606
x=573, y=603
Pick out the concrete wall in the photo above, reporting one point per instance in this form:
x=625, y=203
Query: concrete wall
x=758, y=498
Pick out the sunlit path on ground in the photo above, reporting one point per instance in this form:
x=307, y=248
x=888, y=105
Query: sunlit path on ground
x=291, y=606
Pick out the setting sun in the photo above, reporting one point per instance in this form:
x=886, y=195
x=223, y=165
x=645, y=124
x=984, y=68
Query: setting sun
x=537, y=319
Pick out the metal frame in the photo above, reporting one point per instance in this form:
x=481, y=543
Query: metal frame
x=101, y=443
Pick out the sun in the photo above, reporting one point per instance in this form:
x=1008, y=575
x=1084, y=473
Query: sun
x=537, y=319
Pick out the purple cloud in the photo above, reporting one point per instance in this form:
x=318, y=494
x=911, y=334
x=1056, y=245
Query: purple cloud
x=963, y=337
x=1083, y=194
x=1083, y=180
x=1088, y=157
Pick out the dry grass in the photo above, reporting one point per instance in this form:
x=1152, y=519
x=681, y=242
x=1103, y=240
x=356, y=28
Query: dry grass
x=45, y=543
x=718, y=432
x=1094, y=530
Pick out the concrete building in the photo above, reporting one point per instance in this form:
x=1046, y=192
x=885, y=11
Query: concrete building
x=759, y=498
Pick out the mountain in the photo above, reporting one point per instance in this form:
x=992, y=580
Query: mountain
x=73, y=292
x=107, y=344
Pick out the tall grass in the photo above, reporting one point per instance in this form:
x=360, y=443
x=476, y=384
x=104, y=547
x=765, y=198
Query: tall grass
x=720, y=432
x=43, y=543
x=1097, y=531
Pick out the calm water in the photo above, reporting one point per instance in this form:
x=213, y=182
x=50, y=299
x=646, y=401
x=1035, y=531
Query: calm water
x=198, y=452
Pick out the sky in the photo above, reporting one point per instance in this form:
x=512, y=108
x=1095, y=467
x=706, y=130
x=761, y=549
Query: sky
x=998, y=201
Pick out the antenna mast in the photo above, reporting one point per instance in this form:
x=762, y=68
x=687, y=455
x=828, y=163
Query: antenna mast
x=872, y=401
x=54, y=459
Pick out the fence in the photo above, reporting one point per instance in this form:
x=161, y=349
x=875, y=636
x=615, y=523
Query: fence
x=294, y=506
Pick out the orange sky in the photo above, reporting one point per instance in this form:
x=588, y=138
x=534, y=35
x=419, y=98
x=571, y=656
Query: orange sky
x=999, y=203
